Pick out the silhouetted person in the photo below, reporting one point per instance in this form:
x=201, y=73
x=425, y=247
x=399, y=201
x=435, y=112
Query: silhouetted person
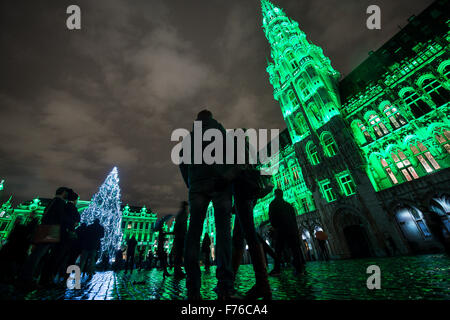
x=437, y=226
x=161, y=252
x=150, y=260
x=141, y=258
x=206, y=183
x=70, y=221
x=206, y=251
x=282, y=219
x=94, y=233
x=118, y=260
x=53, y=216
x=131, y=248
x=77, y=245
x=180, y=229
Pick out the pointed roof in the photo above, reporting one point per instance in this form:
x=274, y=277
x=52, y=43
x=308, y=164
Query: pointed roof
x=267, y=6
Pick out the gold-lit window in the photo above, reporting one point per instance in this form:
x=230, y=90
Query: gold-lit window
x=425, y=157
x=404, y=165
x=444, y=139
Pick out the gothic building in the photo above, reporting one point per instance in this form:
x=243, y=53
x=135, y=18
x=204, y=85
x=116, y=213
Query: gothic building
x=365, y=157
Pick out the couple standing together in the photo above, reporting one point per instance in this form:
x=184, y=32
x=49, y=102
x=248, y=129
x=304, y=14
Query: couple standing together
x=218, y=183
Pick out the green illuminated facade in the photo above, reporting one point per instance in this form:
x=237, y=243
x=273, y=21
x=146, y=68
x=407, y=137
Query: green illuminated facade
x=364, y=149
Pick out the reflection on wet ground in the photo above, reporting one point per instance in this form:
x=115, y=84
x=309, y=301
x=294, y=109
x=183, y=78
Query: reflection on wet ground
x=402, y=278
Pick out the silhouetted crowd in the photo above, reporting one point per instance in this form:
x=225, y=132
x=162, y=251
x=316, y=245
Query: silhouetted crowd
x=37, y=254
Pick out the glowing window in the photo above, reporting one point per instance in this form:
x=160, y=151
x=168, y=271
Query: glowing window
x=444, y=139
x=378, y=126
x=394, y=116
x=295, y=173
x=424, y=156
x=405, y=166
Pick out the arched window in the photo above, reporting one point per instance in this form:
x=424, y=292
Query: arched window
x=404, y=165
x=329, y=145
x=444, y=139
x=424, y=156
x=415, y=103
x=411, y=222
x=389, y=171
x=378, y=126
x=313, y=156
x=438, y=94
x=394, y=116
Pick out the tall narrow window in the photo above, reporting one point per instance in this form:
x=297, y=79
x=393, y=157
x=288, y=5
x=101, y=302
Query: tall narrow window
x=295, y=173
x=329, y=145
x=312, y=153
x=405, y=166
x=378, y=126
x=424, y=156
x=278, y=181
x=327, y=190
x=394, y=116
x=346, y=183
x=389, y=171
x=418, y=217
x=285, y=178
x=444, y=139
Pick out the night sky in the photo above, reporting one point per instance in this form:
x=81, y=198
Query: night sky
x=74, y=104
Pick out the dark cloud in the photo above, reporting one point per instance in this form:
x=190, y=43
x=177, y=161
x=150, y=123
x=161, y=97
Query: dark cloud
x=73, y=104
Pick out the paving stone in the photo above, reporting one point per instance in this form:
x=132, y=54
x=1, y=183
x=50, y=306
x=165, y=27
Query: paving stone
x=402, y=278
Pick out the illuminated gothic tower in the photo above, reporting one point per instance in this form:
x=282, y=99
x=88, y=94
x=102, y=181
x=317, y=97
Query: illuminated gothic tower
x=304, y=82
x=306, y=86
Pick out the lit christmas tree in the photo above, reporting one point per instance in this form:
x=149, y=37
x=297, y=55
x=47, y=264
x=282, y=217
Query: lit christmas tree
x=105, y=205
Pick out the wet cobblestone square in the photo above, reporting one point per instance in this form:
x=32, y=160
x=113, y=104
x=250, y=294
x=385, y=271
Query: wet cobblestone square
x=402, y=278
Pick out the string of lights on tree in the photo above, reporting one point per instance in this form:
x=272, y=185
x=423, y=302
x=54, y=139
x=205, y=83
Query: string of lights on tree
x=105, y=205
